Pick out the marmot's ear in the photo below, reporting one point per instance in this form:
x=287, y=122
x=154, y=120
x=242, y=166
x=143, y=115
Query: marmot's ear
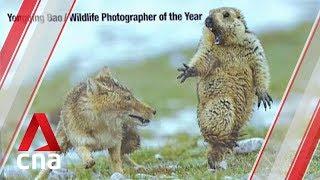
x=92, y=86
x=105, y=72
x=242, y=19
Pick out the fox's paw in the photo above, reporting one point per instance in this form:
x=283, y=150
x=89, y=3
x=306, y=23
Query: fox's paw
x=186, y=72
x=265, y=98
x=89, y=164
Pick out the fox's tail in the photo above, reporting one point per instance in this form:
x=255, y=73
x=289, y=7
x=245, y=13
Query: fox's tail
x=64, y=146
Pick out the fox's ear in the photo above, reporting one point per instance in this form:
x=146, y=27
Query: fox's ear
x=105, y=72
x=92, y=86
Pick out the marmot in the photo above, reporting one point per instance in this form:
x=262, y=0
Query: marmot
x=232, y=69
x=101, y=114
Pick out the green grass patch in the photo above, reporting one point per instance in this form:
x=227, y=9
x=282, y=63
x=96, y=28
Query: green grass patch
x=183, y=157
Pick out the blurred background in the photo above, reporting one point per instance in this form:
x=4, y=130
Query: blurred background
x=145, y=56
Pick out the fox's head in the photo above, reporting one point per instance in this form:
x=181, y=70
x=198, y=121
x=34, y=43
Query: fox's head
x=225, y=26
x=109, y=97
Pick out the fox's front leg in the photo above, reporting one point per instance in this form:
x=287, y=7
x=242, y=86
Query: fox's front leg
x=199, y=65
x=86, y=157
x=115, y=155
x=126, y=158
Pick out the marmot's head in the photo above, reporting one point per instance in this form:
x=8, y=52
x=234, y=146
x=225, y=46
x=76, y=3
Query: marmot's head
x=225, y=25
x=108, y=96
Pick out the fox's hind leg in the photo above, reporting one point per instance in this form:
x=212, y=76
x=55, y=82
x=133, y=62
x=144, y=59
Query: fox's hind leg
x=64, y=146
x=217, y=122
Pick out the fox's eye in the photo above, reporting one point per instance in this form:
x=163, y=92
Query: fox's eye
x=226, y=14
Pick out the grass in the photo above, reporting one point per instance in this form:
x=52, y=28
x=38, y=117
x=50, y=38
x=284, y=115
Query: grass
x=154, y=80
x=314, y=167
x=182, y=158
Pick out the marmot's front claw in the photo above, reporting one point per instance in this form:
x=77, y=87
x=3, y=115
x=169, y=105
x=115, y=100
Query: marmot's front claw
x=265, y=98
x=186, y=72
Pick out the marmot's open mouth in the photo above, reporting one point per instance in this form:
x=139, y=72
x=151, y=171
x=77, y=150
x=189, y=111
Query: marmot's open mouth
x=217, y=35
x=141, y=119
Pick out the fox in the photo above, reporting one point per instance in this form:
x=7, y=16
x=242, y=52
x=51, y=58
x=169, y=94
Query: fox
x=101, y=114
x=233, y=73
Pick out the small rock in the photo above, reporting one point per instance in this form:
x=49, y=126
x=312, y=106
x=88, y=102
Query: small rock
x=144, y=176
x=158, y=157
x=97, y=175
x=223, y=165
x=173, y=167
x=11, y=171
x=248, y=145
x=61, y=174
x=238, y=177
x=228, y=178
x=163, y=176
x=117, y=176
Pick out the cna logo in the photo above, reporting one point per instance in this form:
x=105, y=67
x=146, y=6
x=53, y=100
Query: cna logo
x=52, y=161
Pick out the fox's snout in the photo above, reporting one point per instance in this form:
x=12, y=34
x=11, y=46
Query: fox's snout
x=149, y=111
x=145, y=110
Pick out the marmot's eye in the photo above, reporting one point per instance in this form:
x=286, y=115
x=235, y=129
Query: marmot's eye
x=239, y=17
x=128, y=98
x=226, y=14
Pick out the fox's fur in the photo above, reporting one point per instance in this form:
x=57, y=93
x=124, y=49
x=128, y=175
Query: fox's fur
x=101, y=114
x=232, y=69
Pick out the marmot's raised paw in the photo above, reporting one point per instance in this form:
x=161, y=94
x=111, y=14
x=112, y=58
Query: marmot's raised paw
x=186, y=72
x=265, y=98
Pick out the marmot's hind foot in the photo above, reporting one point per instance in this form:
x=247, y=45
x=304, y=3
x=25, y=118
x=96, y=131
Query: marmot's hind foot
x=214, y=165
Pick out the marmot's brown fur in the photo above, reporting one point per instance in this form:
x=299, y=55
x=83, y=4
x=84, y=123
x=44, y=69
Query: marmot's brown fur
x=232, y=68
